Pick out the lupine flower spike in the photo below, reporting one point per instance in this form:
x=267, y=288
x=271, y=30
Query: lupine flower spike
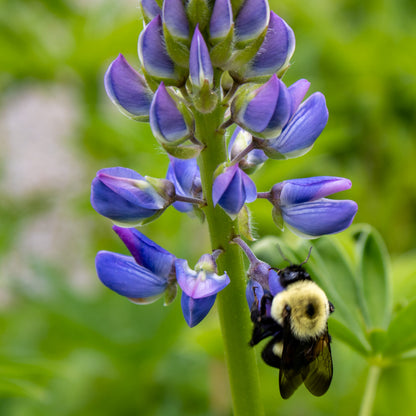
x=204, y=67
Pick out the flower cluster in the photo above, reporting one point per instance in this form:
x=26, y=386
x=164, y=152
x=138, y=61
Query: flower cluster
x=200, y=58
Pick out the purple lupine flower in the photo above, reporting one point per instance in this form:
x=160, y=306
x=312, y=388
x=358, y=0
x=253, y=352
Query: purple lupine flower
x=175, y=20
x=203, y=281
x=128, y=90
x=300, y=134
x=254, y=293
x=200, y=66
x=303, y=207
x=239, y=141
x=262, y=110
x=166, y=121
x=275, y=52
x=142, y=278
x=232, y=189
x=195, y=310
x=150, y=9
x=221, y=20
x=251, y=20
x=185, y=176
x=127, y=198
x=199, y=287
x=154, y=57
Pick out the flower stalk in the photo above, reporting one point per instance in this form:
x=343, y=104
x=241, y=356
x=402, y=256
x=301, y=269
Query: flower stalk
x=241, y=363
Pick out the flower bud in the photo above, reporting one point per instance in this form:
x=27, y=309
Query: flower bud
x=127, y=198
x=274, y=53
x=200, y=66
x=176, y=31
x=252, y=19
x=232, y=188
x=239, y=141
x=128, y=90
x=154, y=57
x=166, y=121
x=150, y=9
x=306, y=212
x=221, y=20
x=262, y=110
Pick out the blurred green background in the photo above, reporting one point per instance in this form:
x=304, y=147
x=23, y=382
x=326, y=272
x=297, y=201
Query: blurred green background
x=70, y=347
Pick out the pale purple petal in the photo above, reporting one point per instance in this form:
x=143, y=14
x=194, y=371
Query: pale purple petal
x=274, y=283
x=200, y=66
x=249, y=187
x=297, y=93
x=221, y=19
x=320, y=217
x=252, y=19
x=175, y=19
x=124, y=276
x=152, y=51
x=297, y=191
x=146, y=252
x=305, y=127
x=195, y=310
x=254, y=292
x=199, y=284
x=166, y=121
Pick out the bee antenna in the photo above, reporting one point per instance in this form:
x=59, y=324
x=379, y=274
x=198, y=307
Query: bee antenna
x=307, y=258
x=283, y=255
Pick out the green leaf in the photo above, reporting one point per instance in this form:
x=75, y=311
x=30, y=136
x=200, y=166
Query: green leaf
x=374, y=274
x=401, y=334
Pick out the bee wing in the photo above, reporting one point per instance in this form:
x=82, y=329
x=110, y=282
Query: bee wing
x=318, y=373
x=292, y=363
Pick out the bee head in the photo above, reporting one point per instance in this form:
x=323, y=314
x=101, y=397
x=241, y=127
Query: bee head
x=305, y=307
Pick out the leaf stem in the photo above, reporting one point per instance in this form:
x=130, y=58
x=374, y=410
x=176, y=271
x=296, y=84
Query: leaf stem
x=367, y=402
x=231, y=302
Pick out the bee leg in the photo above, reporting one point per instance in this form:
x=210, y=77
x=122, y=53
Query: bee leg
x=272, y=352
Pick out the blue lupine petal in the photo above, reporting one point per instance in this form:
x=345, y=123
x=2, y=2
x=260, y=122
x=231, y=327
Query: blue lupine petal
x=253, y=286
x=276, y=50
x=174, y=17
x=282, y=111
x=305, y=127
x=152, y=51
x=114, y=195
x=221, y=19
x=261, y=108
x=199, y=284
x=200, y=66
x=252, y=19
x=146, y=252
x=232, y=189
x=166, y=121
x=124, y=276
x=195, y=310
x=127, y=89
x=297, y=191
x=150, y=8
x=184, y=174
x=320, y=217
x=274, y=283
x=297, y=93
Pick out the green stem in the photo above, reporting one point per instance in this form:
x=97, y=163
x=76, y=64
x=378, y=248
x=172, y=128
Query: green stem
x=231, y=302
x=367, y=402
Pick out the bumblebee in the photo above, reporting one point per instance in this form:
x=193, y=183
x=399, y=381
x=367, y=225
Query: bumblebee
x=296, y=319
